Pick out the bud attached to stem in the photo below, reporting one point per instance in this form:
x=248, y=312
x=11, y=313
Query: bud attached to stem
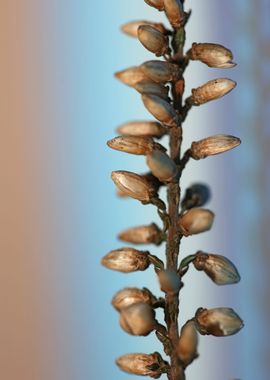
x=142, y=364
x=153, y=40
x=142, y=128
x=131, y=28
x=174, y=12
x=160, y=71
x=212, y=90
x=196, y=196
x=162, y=166
x=142, y=235
x=150, y=87
x=161, y=110
x=126, y=260
x=131, y=296
x=134, y=144
x=188, y=343
x=131, y=76
x=195, y=221
x=170, y=281
x=213, y=145
x=213, y=55
x=158, y=4
x=138, y=319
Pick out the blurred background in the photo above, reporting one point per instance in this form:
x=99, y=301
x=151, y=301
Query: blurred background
x=59, y=104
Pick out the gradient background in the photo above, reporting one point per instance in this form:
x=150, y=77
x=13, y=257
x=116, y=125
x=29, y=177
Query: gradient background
x=59, y=103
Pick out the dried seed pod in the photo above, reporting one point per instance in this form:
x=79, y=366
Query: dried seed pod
x=196, y=196
x=213, y=55
x=142, y=364
x=220, y=321
x=212, y=90
x=213, y=145
x=126, y=260
x=220, y=269
x=149, y=87
x=131, y=28
x=131, y=296
x=138, y=319
x=134, y=144
x=161, y=110
x=160, y=71
x=142, y=128
x=131, y=76
x=161, y=166
x=169, y=280
x=174, y=12
x=134, y=185
x=158, y=4
x=153, y=40
x=195, y=221
x=142, y=235
x=188, y=343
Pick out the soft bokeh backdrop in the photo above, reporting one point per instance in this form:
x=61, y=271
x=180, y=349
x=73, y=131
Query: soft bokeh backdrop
x=59, y=103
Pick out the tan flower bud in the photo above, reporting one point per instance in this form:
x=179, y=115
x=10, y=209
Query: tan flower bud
x=220, y=321
x=131, y=28
x=174, y=11
x=142, y=128
x=158, y=4
x=134, y=185
x=142, y=235
x=138, y=319
x=162, y=166
x=195, y=221
x=153, y=40
x=131, y=296
x=131, y=76
x=160, y=71
x=149, y=87
x=213, y=55
x=142, y=364
x=214, y=89
x=161, y=110
x=126, y=260
x=220, y=269
x=134, y=144
x=213, y=145
x=188, y=343
x=170, y=281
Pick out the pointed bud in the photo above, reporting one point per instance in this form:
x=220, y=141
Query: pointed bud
x=138, y=319
x=126, y=260
x=142, y=128
x=220, y=321
x=158, y=4
x=131, y=296
x=161, y=110
x=143, y=365
x=149, y=87
x=142, y=235
x=213, y=145
x=134, y=144
x=188, y=343
x=195, y=221
x=212, y=90
x=160, y=71
x=220, y=269
x=153, y=40
x=162, y=166
x=169, y=280
x=131, y=76
x=134, y=185
x=131, y=28
x=196, y=196
x=213, y=55
x=174, y=12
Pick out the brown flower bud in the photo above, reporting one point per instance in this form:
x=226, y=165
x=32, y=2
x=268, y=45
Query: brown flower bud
x=149, y=87
x=138, y=319
x=214, y=89
x=195, y=221
x=126, y=260
x=220, y=321
x=213, y=145
x=196, y=196
x=161, y=110
x=142, y=128
x=143, y=365
x=213, y=55
x=160, y=71
x=158, y=4
x=220, y=269
x=131, y=28
x=162, y=166
x=134, y=144
x=142, y=235
x=174, y=12
x=131, y=76
x=134, y=185
x=170, y=281
x=188, y=343
x=131, y=296
x=153, y=40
